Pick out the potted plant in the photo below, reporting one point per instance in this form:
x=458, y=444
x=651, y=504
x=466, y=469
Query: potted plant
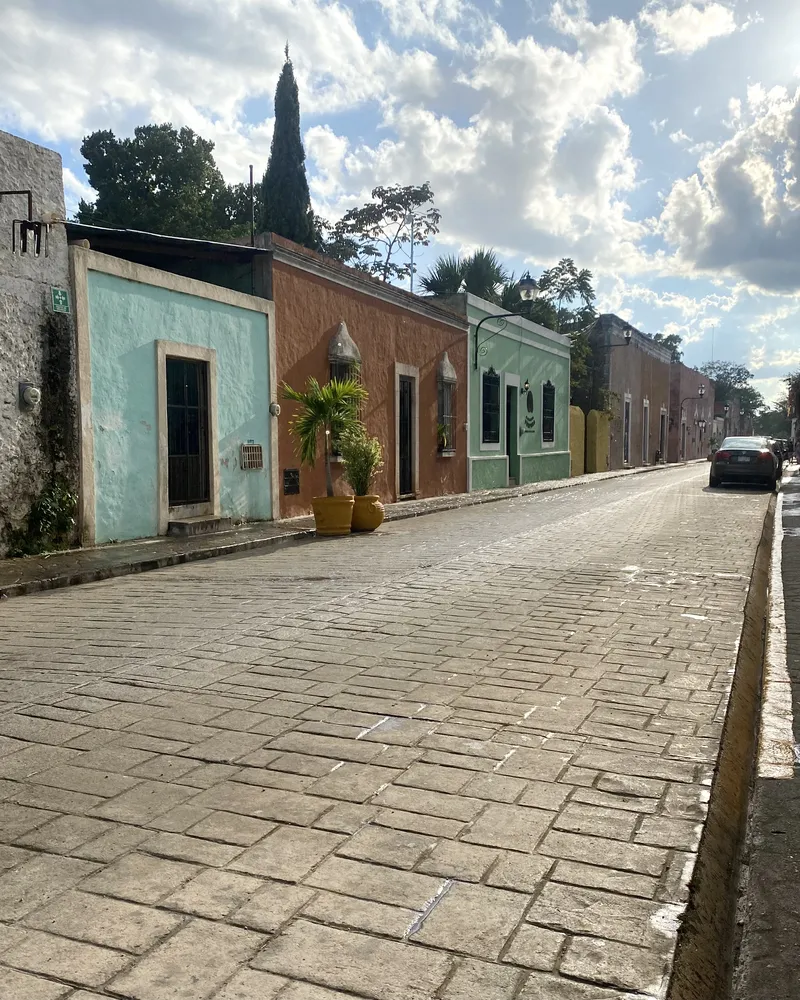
x=443, y=437
x=328, y=411
x=362, y=459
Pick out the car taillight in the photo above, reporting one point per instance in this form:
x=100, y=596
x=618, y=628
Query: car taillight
x=765, y=455
x=722, y=456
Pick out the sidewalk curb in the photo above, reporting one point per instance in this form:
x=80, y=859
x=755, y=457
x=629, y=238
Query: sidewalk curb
x=705, y=952
x=396, y=512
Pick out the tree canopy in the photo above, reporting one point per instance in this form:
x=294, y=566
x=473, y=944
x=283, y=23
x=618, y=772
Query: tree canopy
x=161, y=180
x=734, y=380
x=287, y=203
x=479, y=273
x=672, y=342
x=376, y=237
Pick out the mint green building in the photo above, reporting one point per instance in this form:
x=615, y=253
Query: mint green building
x=518, y=399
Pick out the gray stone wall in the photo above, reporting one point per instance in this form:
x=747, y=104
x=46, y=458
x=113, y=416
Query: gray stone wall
x=36, y=345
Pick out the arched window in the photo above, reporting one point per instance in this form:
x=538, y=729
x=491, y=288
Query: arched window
x=344, y=357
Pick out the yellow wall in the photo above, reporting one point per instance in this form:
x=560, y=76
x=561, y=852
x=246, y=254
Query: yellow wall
x=577, y=441
x=598, y=441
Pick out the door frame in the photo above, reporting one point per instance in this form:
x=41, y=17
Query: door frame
x=511, y=381
x=627, y=427
x=171, y=349
x=645, y=431
x=409, y=371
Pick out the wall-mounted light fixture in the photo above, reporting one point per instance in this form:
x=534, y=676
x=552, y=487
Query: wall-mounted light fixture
x=526, y=387
x=275, y=409
x=29, y=396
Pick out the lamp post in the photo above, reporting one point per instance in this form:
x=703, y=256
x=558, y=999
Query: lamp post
x=527, y=290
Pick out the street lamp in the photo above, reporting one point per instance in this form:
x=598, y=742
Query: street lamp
x=528, y=288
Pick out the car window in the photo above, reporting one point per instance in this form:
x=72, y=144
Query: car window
x=745, y=442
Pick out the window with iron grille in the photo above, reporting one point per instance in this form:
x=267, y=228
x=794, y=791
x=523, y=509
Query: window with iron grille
x=548, y=412
x=344, y=371
x=490, y=417
x=446, y=418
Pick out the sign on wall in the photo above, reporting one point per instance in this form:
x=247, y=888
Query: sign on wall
x=60, y=300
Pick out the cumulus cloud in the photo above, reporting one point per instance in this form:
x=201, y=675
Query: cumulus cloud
x=689, y=27
x=739, y=214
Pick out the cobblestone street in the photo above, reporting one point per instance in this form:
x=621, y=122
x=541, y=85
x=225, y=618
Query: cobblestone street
x=467, y=757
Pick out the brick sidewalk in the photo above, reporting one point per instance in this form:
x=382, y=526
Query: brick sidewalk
x=466, y=758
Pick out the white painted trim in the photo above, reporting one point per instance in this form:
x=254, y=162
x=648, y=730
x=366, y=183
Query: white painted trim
x=626, y=459
x=548, y=446
x=468, y=424
x=172, y=349
x=489, y=458
x=514, y=382
x=776, y=735
x=80, y=289
x=645, y=431
x=524, y=340
x=488, y=446
x=490, y=309
x=409, y=371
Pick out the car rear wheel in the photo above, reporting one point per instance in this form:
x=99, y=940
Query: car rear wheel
x=772, y=484
x=714, y=482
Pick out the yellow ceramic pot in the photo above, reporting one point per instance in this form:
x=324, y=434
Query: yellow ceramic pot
x=332, y=515
x=368, y=513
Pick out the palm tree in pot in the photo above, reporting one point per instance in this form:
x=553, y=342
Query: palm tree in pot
x=362, y=459
x=326, y=411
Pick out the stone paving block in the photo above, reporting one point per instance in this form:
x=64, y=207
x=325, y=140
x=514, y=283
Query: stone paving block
x=15, y=820
x=328, y=956
x=191, y=965
x=430, y=803
x=226, y=747
x=144, y=802
x=179, y=819
x=109, y=846
x=346, y=817
x=430, y=826
x=452, y=859
x=230, y=828
x=249, y=984
x=28, y=760
x=353, y=782
x=666, y=831
x=383, y=885
x=288, y=854
x=140, y=878
x=397, y=848
x=609, y=962
x=472, y=919
x=38, y=881
x=495, y=787
x=64, y=834
x=10, y=857
x=591, y=876
x=360, y=914
x=596, y=821
x=514, y=827
x=164, y=767
x=103, y=921
x=474, y=980
x=78, y=779
x=214, y=894
x=61, y=958
x=521, y=872
x=435, y=778
x=26, y=727
x=23, y=986
x=194, y=849
x=272, y=906
x=638, y=765
x=547, y=986
x=46, y=797
x=263, y=803
x=11, y=936
x=535, y=948
x=609, y=853
x=580, y=910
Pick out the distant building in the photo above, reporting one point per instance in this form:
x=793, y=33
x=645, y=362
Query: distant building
x=691, y=414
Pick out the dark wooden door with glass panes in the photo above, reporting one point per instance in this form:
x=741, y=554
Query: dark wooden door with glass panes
x=187, y=431
x=405, y=444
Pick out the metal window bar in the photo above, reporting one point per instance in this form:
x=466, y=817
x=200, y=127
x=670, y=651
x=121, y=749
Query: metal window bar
x=548, y=412
x=446, y=417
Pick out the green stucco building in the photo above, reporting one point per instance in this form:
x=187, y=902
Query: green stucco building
x=518, y=398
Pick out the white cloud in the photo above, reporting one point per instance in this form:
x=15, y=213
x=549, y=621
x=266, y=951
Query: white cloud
x=689, y=27
x=679, y=137
x=739, y=214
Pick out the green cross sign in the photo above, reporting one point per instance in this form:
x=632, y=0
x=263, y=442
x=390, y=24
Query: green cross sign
x=60, y=300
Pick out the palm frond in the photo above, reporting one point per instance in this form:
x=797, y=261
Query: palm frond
x=445, y=277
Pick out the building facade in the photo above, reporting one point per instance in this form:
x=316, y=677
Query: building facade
x=518, y=398
x=692, y=414
x=38, y=429
x=410, y=354
x=632, y=383
x=176, y=382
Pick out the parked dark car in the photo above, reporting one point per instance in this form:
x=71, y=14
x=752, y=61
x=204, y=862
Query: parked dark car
x=745, y=460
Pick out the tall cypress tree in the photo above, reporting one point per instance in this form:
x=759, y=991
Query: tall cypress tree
x=287, y=205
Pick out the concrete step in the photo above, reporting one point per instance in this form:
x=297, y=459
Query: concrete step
x=206, y=524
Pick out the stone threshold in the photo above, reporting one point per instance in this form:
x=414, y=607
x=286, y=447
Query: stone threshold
x=32, y=574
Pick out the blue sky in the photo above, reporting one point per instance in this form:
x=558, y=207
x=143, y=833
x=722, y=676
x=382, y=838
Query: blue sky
x=655, y=141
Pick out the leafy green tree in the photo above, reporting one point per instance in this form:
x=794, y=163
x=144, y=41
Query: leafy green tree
x=161, y=180
x=479, y=273
x=376, y=237
x=672, y=342
x=287, y=203
x=774, y=421
x=561, y=285
x=734, y=380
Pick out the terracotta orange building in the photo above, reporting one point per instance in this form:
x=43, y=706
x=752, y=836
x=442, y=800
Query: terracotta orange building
x=412, y=359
